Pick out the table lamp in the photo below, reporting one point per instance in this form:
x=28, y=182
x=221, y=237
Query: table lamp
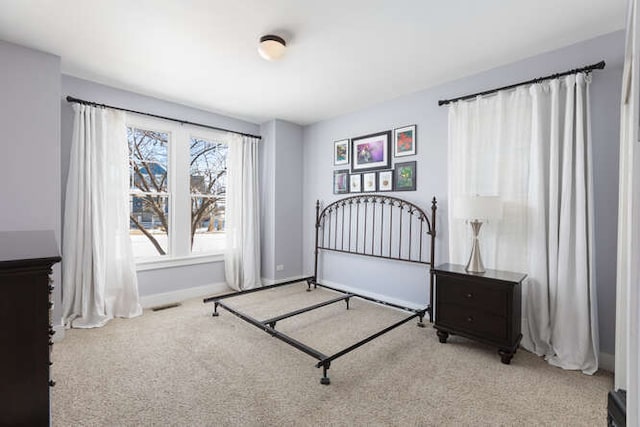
x=477, y=209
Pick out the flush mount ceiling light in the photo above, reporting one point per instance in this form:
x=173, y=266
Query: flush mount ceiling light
x=271, y=47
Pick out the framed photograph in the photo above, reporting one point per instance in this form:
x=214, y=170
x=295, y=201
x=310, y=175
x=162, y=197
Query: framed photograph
x=405, y=176
x=369, y=181
x=341, y=181
x=355, y=183
x=371, y=152
x=385, y=181
x=404, y=141
x=341, y=152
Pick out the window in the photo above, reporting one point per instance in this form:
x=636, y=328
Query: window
x=149, y=191
x=208, y=176
x=177, y=189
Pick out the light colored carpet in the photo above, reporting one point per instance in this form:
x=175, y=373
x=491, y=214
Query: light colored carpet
x=183, y=367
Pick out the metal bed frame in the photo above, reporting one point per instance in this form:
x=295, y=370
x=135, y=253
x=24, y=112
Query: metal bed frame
x=343, y=227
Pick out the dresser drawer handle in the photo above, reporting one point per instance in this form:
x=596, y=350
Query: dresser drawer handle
x=469, y=319
x=469, y=295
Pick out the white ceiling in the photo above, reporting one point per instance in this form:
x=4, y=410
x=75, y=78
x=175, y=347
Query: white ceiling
x=342, y=55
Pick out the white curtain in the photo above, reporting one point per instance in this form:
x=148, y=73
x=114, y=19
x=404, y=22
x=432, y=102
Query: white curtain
x=627, y=375
x=242, y=215
x=99, y=278
x=531, y=146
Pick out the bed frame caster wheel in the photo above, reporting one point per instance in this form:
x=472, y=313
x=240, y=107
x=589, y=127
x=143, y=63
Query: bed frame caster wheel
x=325, y=379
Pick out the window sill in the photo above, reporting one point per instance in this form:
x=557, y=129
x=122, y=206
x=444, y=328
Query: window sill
x=155, y=264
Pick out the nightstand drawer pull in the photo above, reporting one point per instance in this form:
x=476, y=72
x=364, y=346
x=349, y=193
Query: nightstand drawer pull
x=469, y=295
x=469, y=319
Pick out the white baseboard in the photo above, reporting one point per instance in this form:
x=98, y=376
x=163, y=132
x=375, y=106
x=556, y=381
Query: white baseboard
x=607, y=362
x=155, y=300
x=269, y=282
x=373, y=295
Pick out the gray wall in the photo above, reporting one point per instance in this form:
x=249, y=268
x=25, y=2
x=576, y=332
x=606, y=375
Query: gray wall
x=605, y=100
x=163, y=280
x=267, y=199
x=30, y=160
x=408, y=283
x=166, y=279
x=288, y=199
x=281, y=198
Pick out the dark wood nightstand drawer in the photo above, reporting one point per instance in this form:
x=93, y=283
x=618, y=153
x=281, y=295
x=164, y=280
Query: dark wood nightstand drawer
x=473, y=321
x=492, y=299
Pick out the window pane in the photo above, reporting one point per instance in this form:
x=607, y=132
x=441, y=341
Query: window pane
x=148, y=160
x=148, y=224
x=208, y=230
x=149, y=186
x=208, y=175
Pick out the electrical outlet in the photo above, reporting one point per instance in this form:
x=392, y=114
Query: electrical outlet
x=279, y=267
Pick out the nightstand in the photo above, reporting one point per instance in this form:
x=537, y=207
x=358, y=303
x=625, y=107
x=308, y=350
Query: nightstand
x=485, y=307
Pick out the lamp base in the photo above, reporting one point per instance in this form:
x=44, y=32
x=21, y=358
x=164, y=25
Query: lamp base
x=474, y=265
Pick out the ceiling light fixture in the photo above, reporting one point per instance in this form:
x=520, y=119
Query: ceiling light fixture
x=271, y=47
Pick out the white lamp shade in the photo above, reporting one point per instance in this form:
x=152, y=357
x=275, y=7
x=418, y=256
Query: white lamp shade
x=271, y=47
x=477, y=207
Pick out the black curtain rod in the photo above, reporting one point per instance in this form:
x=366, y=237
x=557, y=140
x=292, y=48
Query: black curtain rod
x=184, y=122
x=599, y=66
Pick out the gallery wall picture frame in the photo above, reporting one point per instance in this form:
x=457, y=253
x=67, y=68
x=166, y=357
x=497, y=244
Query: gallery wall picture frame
x=355, y=183
x=371, y=152
x=404, y=141
x=341, y=181
x=369, y=182
x=405, y=176
x=341, y=152
x=385, y=180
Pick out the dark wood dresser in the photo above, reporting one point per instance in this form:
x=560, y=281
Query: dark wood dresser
x=26, y=259
x=485, y=307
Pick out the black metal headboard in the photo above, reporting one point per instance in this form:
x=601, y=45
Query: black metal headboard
x=377, y=226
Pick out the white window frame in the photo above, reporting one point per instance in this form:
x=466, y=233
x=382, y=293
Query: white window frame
x=179, y=245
